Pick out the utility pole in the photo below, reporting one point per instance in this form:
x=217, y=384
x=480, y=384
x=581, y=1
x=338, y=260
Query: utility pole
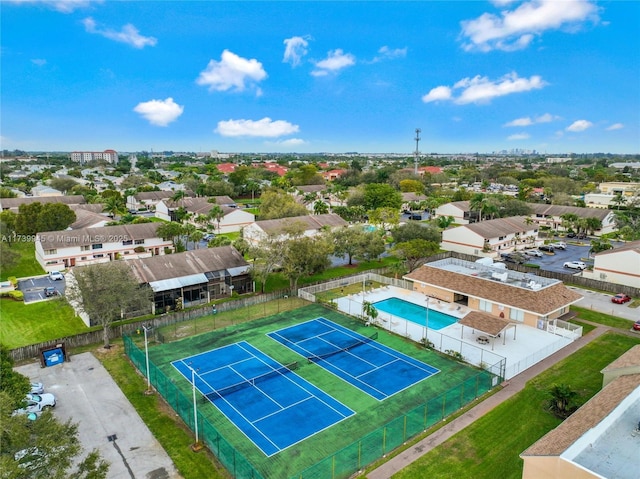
x=417, y=153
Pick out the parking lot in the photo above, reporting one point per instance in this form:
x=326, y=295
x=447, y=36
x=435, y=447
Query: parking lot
x=87, y=395
x=34, y=288
x=555, y=261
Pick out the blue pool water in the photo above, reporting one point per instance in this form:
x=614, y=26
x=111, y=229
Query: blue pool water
x=415, y=313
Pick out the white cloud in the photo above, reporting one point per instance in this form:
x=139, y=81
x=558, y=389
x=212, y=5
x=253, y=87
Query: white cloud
x=232, y=72
x=615, y=126
x=437, y=93
x=336, y=60
x=62, y=6
x=579, y=125
x=515, y=29
x=295, y=49
x=528, y=121
x=39, y=61
x=266, y=127
x=159, y=112
x=129, y=34
x=482, y=90
x=290, y=143
x=519, y=136
x=386, y=53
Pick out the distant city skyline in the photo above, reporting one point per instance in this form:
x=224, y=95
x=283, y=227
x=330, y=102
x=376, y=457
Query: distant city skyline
x=555, y=77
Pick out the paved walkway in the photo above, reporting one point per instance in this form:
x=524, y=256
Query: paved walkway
x=513, y=386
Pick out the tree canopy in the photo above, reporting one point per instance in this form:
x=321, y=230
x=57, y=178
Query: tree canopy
x=108, y=290
x=44, y=448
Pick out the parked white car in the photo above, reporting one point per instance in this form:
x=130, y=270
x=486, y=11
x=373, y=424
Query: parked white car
x=37, y=388
x=575, y=265
x=533, y=252
x=56, y=276
x=559, y=245
x=36, y=403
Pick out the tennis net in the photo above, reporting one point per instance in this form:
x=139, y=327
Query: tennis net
x=317, y=357
x=251, y=381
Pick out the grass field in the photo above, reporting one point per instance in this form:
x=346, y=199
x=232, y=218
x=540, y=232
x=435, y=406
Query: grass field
x=24, y=324
x=26, y=265
x=490, y=447
x=362, y=435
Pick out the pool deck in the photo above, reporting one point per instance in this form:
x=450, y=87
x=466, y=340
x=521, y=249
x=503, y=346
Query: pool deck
x=521, y=346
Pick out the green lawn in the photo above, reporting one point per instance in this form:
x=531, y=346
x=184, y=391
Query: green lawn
x=602, y=318
x=490, y=447
x=24, y=324
x=26, y=265
x=277, y=281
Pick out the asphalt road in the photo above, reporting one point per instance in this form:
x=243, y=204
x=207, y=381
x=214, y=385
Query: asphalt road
x=87, y=395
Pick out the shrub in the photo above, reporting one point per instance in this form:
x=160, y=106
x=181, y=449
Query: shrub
x=16, y=295
x=139, y=249
x=13, y=280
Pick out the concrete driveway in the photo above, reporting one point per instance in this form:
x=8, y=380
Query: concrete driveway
x=87, y=395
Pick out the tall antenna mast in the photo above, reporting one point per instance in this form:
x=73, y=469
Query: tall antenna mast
x=417, y=153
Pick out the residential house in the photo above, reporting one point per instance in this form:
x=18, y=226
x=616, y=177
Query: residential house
x=460, y=211
x=619, y=265
x=492, y=237
x=172, y=186
x=600, y=439
x=609, y=193
x=43, y=191
x=13, y=204
x=57, y=250
x=312, y=225
x=148, y=200
x=193, y=277
x=550, y=215
x=89, y=216
x=523, y=298
x=233, y=218
x=332, y=174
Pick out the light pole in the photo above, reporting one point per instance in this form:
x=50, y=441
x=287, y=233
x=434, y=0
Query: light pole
x=146, y=354
x=426, y=329
x=196, y=446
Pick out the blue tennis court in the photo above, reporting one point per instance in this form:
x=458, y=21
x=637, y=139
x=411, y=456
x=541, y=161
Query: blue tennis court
x=376, y=369
x=273, y=406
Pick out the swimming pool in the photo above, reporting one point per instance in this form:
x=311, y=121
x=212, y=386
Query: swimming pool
x=415, y=313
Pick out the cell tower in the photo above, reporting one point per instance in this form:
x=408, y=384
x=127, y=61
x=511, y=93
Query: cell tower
x=416, y=155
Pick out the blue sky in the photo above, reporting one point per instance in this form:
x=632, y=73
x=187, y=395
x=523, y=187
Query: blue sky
x=551, y=76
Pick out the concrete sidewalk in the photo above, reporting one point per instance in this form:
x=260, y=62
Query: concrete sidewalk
x=514, y=385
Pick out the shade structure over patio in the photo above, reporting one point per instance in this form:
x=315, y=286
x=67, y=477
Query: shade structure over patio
x=488, y=324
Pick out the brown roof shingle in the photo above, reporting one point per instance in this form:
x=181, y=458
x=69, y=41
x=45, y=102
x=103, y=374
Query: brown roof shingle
x=542, y=301
x=310, y=222
x=178, y=265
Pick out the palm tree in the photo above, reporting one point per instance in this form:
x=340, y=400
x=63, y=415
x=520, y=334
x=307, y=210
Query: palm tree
x=444, y=222
x=562, y=397
x=216, y=213
x=619, y=200
x=477, y=203
x=369, y=311
x=320, y=208
x=114, y=206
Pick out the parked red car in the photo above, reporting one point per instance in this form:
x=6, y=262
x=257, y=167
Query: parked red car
x=636, y=325
x=620, y=298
